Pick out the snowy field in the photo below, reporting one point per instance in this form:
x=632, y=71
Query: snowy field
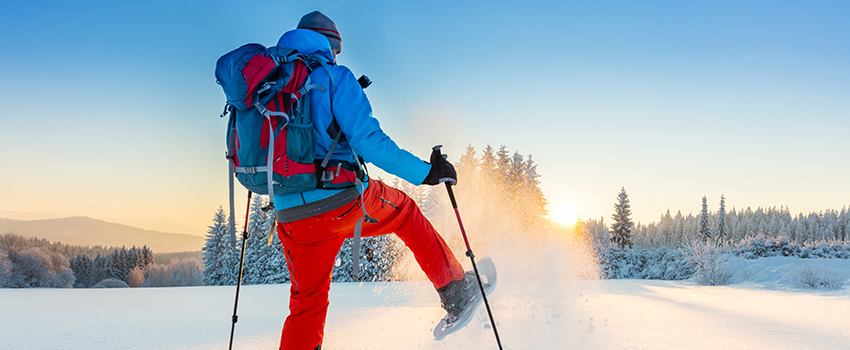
x=761, y=310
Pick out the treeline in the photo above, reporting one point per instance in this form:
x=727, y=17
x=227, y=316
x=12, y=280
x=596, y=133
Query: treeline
x=503, y=180
x=731, y=228
x=127, y=265
x=28, y=262
x=738, y=225
x=677, y=246
x=20, y=243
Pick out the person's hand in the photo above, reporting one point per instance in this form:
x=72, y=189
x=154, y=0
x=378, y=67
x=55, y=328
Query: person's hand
x=441, y=171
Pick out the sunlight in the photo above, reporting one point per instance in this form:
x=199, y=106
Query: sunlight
x=565, y=214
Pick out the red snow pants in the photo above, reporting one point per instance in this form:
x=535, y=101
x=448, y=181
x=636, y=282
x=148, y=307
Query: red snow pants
x=311, y=246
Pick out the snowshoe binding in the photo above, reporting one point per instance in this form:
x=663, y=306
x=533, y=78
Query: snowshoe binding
x=462, y=297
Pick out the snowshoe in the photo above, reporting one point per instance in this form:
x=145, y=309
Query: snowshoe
x=461, y=298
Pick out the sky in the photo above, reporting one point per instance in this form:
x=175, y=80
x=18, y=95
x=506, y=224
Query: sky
x=110, y=109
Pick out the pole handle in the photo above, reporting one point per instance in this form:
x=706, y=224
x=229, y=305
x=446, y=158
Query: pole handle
x=435, y=152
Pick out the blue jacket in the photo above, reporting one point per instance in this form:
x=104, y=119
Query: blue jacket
x=354, y=115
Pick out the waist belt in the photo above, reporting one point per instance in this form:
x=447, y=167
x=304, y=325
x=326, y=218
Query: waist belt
x=318, y=207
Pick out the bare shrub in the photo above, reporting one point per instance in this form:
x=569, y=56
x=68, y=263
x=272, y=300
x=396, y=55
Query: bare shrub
x=5, y=268
x=158, y=276
x=111, y=283
x=178, y=273
x=808, y=276
x=186, y=272
x=136, y=277
x=709, y=263
x=38, y=267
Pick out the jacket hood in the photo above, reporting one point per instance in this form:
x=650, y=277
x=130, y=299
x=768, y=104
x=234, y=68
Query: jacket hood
x=307, y=42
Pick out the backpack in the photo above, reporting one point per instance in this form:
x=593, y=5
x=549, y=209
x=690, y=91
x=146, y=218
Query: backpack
x=268, y=100
x=270, y=122
x=267, y=91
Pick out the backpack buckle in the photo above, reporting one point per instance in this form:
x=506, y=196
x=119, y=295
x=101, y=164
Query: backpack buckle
x=327, y=175
x=265, y=87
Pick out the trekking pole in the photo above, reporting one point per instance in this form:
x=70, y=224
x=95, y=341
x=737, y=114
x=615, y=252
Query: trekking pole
x=469, y=253
x=241, y=261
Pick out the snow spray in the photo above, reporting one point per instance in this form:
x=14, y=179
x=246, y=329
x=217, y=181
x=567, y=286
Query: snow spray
x=469, y=253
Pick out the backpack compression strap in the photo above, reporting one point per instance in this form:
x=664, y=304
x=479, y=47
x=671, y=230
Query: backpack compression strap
x=228, y=108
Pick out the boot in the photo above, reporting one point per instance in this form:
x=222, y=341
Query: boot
x=455, y=296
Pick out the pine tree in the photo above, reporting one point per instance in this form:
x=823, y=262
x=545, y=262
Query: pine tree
x=5, y=269
x=344, y=263
x=101, y=268
x=379, y=253
x=255, y=253
x=488, y=171
x=503, y=160
x=516, y=170
x=801, y=232
x=84, y=271
x=276, y=270
x=536, y=201
x=488, y=160
x=467, y=165
x=704, y=234
x=217, y=252
x=503, y=166
x=621, y=229
x=666, y=227
x=722, y=233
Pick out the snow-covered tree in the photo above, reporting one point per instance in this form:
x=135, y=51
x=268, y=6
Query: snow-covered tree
x=185, y=272
x=5, y=268
x=535, y=202
x=503, y=161
x=39, y=268
x=594, y=231
x=254, y=266
x=136, y=277
x=159, y=276
x=467, y=165
x=84, y=271
x=377, y=257
x=704, y=234
x=276, y=269
x=218, y=253
x=621, y=229
x=722, y=234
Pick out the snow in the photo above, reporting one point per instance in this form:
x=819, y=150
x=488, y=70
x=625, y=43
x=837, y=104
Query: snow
x=762, y=310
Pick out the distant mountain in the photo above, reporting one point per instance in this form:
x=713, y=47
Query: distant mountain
x=91, y=232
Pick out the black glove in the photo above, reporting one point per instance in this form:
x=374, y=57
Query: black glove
x=441, y=171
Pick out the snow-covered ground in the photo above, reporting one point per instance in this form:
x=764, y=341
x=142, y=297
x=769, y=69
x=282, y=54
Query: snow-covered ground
x=761, y=310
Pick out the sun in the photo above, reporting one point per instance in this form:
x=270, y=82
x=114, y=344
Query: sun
x=565, y=214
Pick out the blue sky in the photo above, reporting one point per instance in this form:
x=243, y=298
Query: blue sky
x=110, y=109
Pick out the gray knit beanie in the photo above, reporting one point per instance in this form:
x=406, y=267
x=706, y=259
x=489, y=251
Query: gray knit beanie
x=322, y=24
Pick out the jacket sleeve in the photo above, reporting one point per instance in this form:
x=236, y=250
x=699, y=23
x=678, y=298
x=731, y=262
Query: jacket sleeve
x=364, y=134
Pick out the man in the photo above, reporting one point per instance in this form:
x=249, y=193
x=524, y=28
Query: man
x=314, y=224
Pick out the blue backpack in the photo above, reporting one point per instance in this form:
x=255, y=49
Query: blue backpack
x=270, y=122
x=267, y=91
x=268, y=100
